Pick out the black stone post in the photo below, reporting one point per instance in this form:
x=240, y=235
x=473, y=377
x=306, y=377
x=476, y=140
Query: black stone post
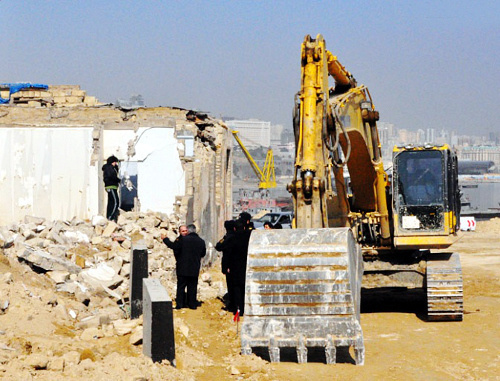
x=138, y=271
x=158, y=323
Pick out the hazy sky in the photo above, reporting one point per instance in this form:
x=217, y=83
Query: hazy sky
x=426, y=63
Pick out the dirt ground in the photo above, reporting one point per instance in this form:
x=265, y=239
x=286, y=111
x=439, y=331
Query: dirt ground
x=399, y=343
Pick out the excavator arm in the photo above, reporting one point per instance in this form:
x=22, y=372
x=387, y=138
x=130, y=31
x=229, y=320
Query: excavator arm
x=336, y=127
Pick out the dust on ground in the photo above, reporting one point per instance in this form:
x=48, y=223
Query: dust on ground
x=38, y=343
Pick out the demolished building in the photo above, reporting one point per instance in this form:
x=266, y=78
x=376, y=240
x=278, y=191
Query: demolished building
x=56, y=139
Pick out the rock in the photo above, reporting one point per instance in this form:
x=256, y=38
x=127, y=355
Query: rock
x=207, y=278
x=33, y=220
x=183, y=328
x=37, y=361
x=97, y=240
x=234, y=370
x=125, y=270
x=101, y=276
x=117, y=263
x=71, y=358
x=99, y=221
x=88, y=322
x=76, y=236
x=28, y=233
x=127, y=244
x=61, y=312
x=123, y=327
x=112, y=226
x=4, y=305
x=58, y=276
x=56, y=364
x=56, y=237
x=91, y=334
x=87, y=364
x=6, y=278
x=136, y=336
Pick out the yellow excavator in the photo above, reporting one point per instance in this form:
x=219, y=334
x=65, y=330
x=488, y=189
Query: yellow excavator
x=354, y=223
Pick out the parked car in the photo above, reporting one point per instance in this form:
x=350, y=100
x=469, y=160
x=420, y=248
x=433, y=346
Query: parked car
x=283, y=218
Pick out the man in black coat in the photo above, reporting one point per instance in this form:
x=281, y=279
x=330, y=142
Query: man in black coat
x=190, y=248
x=237, y=264
x=111, y=183
x=225, y=245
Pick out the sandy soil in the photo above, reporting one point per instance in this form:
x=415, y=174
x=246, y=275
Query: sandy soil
x=399, y=343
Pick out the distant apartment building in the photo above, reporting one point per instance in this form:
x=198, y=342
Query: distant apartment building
x=253, y=132
x=481, y=153
x=276, y=132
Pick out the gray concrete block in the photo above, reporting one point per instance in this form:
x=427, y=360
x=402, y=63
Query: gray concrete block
x=158, y=322
x=138, y=271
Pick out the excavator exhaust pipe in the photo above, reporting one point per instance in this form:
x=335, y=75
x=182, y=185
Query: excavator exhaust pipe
x=303, y=290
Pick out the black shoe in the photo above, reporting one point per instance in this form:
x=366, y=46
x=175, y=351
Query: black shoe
x=193, y=308
x=178, y=307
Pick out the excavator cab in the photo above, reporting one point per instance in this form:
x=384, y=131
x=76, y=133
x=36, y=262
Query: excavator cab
x=426, y=200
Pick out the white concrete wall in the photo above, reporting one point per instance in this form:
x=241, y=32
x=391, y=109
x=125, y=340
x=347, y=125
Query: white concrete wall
x=46, y=172
x=160, y=173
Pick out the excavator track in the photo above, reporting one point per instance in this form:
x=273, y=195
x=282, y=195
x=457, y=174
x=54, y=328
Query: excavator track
x=444, y=287
x=303, y=290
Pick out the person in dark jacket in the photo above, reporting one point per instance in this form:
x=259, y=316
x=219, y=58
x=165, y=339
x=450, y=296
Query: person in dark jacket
x=111, y=183
x=175, y=245
x=247, y=220
x=225, y=245
x=190, y=248
x=237, y=266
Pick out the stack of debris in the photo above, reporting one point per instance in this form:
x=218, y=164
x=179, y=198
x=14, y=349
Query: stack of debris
x=43, y=95
x=91, y=261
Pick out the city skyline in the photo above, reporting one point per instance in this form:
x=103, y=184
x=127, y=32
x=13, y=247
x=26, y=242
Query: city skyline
x=427, y=64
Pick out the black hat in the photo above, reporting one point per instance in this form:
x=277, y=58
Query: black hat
x=112, y=159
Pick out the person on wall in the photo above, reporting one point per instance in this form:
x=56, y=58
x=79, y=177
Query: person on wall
x=111, y=184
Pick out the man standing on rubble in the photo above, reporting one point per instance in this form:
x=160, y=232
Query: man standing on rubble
x=111, y=183
x=190, y=249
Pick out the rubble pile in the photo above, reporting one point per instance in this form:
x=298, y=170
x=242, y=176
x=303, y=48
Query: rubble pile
x=86, y=265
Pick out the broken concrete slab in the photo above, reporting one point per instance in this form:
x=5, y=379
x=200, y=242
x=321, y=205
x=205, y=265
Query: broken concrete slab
x=48, y=262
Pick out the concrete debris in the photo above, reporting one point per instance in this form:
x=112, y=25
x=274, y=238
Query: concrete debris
x=96, y=252
x=48, y=262
x=6, y=278
x=58, y=276
x=90, y=261
x=136, y=336
x=37, y=361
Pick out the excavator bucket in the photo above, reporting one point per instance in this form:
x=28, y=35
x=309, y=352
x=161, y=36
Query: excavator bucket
x=303, y=290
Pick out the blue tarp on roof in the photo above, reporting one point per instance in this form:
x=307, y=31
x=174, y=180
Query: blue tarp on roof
x=15, y=87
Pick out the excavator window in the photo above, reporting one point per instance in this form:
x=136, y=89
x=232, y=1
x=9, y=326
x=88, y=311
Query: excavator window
x=420, y=178
x=419, y=189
